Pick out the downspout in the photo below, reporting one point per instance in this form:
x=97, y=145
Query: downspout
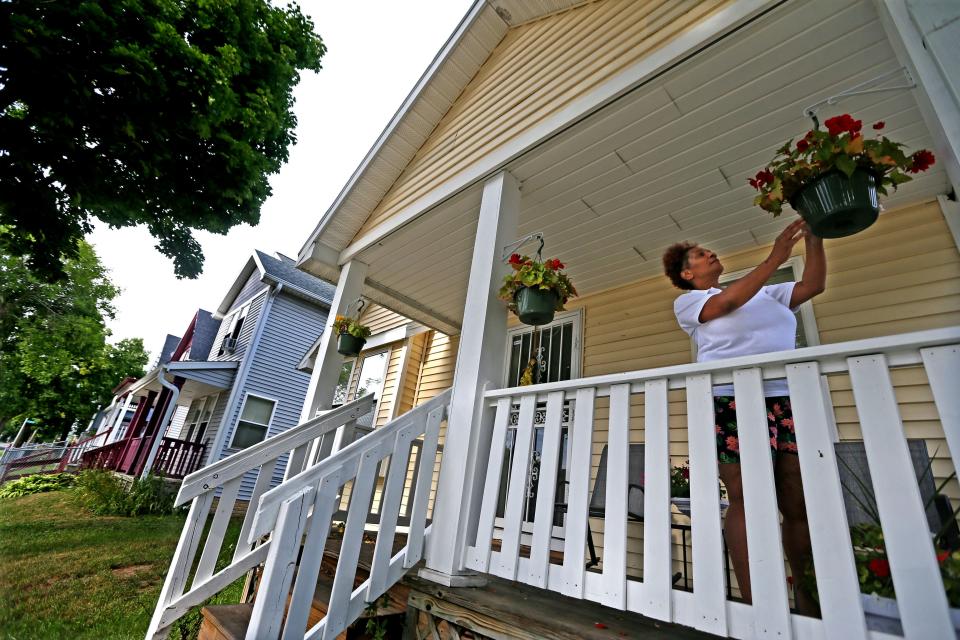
x=164, y=422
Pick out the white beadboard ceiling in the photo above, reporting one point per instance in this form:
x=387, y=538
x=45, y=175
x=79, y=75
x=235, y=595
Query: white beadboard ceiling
x=669, y=160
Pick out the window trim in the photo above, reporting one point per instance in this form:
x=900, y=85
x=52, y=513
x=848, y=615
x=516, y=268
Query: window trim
x=576, y=352
x=243, y=405
x=240, y=314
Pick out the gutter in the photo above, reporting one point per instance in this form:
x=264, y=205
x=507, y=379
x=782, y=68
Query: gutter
x=164, y=422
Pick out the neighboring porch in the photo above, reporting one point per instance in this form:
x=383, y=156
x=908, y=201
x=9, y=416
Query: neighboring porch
x=164, y=436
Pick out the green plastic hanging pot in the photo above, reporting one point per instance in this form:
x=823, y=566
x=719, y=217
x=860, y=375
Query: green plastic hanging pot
x=535, y=305
x=349, y=345
x=835, y=206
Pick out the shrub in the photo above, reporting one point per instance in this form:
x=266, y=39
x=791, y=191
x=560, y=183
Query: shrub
x=103, y=493
x=38, y=483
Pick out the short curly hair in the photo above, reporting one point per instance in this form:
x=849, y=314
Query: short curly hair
x=675, y=261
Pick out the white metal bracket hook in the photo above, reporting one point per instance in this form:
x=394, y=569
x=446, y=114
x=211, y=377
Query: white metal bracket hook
x=513, y=246
x=868, y=86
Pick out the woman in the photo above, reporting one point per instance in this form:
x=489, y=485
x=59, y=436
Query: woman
x=748, y=318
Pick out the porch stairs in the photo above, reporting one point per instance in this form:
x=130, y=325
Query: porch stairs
x=298, y=514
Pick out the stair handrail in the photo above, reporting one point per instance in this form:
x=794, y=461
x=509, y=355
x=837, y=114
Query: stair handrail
x=303, y=507
x=225, y=476
x=243, y=461
x=269, y=505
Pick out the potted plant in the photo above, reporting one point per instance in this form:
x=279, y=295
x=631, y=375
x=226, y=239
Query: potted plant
x=832, y=177
x=351, y=335
x=680, y=489
x=534, y=290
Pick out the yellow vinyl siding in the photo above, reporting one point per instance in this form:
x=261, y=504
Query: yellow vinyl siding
x=437, y=372
x=416, y=347
x=901, y=275
x=537, y=70
x=381, y=319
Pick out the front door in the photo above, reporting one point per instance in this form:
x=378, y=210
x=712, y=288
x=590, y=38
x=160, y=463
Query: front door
x=549, y=353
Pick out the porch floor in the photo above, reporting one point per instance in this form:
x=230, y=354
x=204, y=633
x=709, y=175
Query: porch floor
x=500, y=609
x=505, y=609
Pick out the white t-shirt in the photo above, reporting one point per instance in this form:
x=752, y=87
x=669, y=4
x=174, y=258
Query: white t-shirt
x=764, y=324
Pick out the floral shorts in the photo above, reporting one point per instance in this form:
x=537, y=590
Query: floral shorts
x=779, y=423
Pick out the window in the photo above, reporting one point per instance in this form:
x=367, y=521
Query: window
x=253, y=423
x=199, y=417
x=343, y=383
x=791, y=271
x=229, y=341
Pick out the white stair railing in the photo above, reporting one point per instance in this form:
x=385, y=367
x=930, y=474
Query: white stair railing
x=920, y=593
x=283, y=513
x=222, y=480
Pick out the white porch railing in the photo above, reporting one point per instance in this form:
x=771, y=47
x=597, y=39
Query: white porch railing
x=921, y=598
x=224, y=478
x=283, y=512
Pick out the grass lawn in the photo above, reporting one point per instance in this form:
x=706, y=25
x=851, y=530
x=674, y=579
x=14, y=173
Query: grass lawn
x=65, y=573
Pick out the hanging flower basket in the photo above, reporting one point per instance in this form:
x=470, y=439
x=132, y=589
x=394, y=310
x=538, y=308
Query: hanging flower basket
x=832, y=177
x=535, y=290
x=349, y=345
x=536, y=306
x=351, y=335
x=836, y=206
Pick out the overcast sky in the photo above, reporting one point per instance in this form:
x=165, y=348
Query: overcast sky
x=376, y=51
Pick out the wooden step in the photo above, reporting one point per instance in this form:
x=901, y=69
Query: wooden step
x=230, y=622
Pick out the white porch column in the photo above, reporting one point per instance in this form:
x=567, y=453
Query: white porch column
x=480, y=360
x=326, y=368
x=921, y=53
x=114, y=434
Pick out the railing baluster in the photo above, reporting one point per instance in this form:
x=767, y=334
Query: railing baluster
x=916, y=577
x=546, y=493
x=709, y=578
x=943, y=371
x=424, y=482
x=360, y=496
x=580, y=465
x=480, y=558
x=768, y=581
x=182, y=561
x=324, y=506
x=516, y=491
x=211, y=547
x=615, y=511
x=657, y=542
x=837, y=581
x=390, y=508
x=278, y=570
x=261, y=485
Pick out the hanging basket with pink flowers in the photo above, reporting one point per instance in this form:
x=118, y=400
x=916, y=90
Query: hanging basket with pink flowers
x=832, y=177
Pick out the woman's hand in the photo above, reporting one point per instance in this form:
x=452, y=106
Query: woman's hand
x=783, y=245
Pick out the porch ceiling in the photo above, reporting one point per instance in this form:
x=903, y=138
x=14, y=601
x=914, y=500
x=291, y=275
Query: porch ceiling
x=669, y=160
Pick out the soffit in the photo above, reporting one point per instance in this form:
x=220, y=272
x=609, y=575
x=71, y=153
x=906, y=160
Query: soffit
x=669, y=160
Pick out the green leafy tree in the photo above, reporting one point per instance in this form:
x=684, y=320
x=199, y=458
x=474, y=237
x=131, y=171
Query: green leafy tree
x=166, y=113
x=56, y=365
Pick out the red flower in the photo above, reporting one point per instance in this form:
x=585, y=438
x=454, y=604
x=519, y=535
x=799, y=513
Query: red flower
x=762, y=178
x=555, y=264
x=515, y=258
x=841, y=124
x=790, y=580
x=685, y=472
x=802, y=145
x=943, y=555
x=922, y=160
x=880, y=567
x=879, y=125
